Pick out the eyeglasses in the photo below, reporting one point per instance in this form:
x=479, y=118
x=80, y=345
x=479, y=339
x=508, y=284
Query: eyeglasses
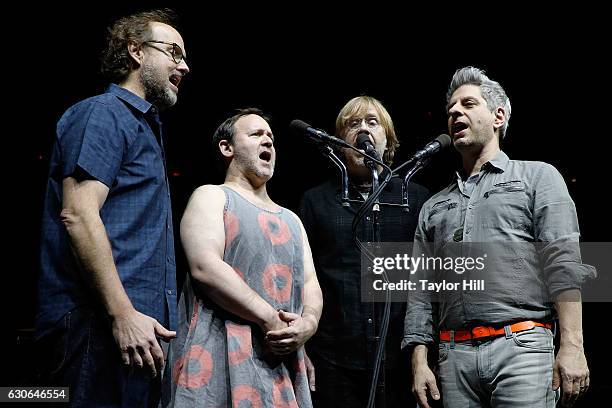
x=176, y=53
x=355, y=123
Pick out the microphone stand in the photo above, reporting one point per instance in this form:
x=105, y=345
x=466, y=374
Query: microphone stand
x=329, y=152
x=377, y=386
x=374, y=203
x=417, y=166
x=375, y=183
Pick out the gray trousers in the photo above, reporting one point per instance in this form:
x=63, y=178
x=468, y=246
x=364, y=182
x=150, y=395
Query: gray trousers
x=514, y=370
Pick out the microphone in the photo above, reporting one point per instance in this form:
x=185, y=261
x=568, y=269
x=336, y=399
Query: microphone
x=319, y=135
x=441, y=142
x=364, y=143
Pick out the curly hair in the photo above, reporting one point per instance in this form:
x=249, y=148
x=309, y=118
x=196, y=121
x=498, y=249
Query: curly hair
x=116, y=63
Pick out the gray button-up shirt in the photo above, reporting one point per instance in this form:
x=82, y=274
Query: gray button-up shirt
x=523, y=212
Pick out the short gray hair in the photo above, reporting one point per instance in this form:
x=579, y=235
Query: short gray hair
x=492, y=92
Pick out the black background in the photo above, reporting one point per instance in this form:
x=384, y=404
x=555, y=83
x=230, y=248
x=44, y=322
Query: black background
x=305, y=62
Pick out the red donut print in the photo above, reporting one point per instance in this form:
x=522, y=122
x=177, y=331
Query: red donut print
x=246, y=393
x=194, y=314
x=277, y=281
x=275, y=229
x=232, y=227
x=300, y=364
x=238, y=343
x=282, y=393
x=196, y=379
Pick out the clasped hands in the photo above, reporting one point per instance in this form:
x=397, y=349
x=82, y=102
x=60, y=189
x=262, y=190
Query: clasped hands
x=287, y=332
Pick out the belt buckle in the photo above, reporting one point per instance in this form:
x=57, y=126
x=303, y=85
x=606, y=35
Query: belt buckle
x=481, y=331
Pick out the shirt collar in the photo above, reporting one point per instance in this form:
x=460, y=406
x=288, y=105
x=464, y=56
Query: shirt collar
x=497, y=164
x=131, y=98
x=500, y=161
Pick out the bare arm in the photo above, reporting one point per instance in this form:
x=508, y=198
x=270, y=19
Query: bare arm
x=203, y=237
x=570, y=370
x=313, y=298
x=134, y=332
x=301, y=328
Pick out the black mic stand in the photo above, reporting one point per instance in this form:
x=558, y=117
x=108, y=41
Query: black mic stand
x=378, y=385
x=375, y=183
x=377, y=388
x=329, y=152
x=417, y=166
x=374, y=203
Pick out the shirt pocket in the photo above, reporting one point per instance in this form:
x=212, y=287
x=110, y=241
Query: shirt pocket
x=444, y=220
x=505, y=187
x=506, y=208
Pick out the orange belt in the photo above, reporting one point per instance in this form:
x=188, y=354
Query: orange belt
x=484, y=331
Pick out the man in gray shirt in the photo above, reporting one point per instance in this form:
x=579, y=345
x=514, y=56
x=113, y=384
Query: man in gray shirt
x=496, y=345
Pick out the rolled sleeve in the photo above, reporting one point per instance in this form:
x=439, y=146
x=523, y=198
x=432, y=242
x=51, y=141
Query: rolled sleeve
x=556, y=226
x=418, y=323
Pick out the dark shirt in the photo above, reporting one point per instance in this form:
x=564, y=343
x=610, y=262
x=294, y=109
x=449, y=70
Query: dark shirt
x=348, y=326
x=115, y=138
x=523, y=211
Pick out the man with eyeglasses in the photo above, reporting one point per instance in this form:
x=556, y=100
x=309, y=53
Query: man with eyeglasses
x=343, y=349
x=107, y=289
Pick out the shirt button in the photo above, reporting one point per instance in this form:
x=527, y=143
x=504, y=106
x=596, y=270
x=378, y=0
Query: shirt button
x=370, y=321
x=169, y=291
x=368, y=218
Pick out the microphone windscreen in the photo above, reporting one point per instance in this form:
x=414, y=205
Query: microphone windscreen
x=299, y=125
x=444, y=140
x=363, y=138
